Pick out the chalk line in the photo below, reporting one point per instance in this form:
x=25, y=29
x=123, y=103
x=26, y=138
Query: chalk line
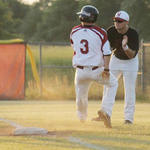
x=11, y=123
x=84, y=143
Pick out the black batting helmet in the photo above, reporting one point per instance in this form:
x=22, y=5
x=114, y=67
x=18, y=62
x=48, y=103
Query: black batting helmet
x=88, y=14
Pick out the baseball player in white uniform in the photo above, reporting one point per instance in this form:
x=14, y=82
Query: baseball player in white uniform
x=91, y=60
x=124, y=42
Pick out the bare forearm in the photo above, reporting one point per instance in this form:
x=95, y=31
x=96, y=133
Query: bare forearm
x=106, y=61
x=130, y=53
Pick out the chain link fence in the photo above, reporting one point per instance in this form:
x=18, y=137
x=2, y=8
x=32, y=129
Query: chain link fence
x=54, y=61
x=145, y=63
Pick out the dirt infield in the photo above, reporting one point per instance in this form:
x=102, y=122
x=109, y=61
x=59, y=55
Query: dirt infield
x=6, y=130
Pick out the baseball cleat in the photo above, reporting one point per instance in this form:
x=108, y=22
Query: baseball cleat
x=96, y=119
x=128, y=122
x=105, y=118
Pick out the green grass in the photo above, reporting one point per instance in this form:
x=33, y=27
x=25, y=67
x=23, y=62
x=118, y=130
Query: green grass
x=59, y=118
x=53, y=55
x=53, y=79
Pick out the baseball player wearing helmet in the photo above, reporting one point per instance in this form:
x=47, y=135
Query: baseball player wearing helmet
x=124, y=41
x=91, y=60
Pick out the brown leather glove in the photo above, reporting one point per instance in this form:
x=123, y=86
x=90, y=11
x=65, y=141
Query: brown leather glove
x=105, y=74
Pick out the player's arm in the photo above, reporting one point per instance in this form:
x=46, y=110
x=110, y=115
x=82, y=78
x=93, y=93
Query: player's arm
x=129, y=52
x=105, y=73
x=107, y=54
x=106, y=61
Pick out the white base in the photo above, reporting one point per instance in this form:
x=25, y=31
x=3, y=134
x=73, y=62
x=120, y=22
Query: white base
x=30, y=131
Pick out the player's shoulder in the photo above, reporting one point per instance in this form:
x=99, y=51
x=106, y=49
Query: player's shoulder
x=133, y=31
x=76, y=28
x=99, y=29
x=111, y=29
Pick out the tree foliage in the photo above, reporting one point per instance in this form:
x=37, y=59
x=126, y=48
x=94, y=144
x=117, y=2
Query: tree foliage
x=30, y=22
x=107, y=10
x=57, y=21
x=52, y=20
x=139, y=16
x=5, y=21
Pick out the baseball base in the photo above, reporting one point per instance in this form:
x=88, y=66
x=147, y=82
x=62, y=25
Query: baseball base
x=21, y=130
x=30, y=131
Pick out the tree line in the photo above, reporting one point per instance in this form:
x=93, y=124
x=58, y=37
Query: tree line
x=52, y=20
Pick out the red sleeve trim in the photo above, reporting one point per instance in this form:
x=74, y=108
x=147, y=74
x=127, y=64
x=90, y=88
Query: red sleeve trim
x=103, y=32
x=71, y=41
x=75, y=29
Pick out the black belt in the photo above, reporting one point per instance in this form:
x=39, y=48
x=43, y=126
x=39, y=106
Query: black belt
x=93, y=68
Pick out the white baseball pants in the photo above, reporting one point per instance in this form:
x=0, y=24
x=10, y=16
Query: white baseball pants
x=83, y=79
x=129, y=70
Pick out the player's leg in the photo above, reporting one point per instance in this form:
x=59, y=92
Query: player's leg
x=81, y=87
x=129, y=79
x=116, y=73
x=109, y=93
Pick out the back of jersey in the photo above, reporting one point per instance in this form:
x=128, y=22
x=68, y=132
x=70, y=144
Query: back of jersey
x=88, y=43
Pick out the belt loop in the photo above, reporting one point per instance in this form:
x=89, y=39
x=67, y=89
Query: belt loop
x=95, y=67
x=80, y=67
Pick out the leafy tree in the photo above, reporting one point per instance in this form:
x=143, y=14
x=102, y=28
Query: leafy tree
x=44, y=3
x=57, y=21
x=18, y=11
x=17, y=8
x=139, y=16
x=31, y=21
x=107, y=10
x=6, y=21
x=52, y=20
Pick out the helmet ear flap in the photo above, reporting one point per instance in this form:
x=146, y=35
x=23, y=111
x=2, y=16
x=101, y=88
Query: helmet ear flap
x=88, y=14
x=91, y=19
x=83, y=18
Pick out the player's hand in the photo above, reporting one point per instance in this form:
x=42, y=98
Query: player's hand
x=124, y=42
x=105, y=75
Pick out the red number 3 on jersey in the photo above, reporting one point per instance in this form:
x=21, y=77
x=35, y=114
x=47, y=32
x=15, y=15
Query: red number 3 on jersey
x=84, y=50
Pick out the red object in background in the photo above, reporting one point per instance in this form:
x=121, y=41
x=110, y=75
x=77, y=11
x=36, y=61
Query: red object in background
x=12, y=71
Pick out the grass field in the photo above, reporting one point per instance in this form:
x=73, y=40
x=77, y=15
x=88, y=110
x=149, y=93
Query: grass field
x=67, y=133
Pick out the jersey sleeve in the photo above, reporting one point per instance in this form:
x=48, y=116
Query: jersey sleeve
x=105, y=44
x=74, y=29
x=106, y=48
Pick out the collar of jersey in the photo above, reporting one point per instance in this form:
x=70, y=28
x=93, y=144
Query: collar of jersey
x=87, y=26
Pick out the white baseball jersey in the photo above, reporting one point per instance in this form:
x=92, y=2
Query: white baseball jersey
x=90, y=44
